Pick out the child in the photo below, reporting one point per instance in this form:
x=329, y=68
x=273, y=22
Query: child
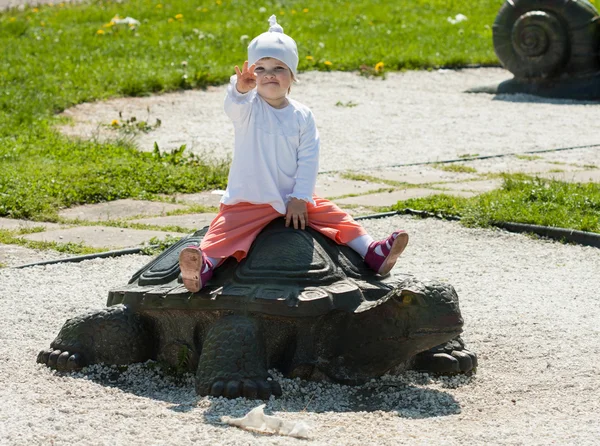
x=274, y=169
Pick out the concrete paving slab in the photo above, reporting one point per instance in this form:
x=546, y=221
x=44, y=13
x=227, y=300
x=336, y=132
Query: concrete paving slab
x=330, y=186
x=212, y=199
x=421, y=175
x=514, y=164
x=14, y=224
x=119, y=209
x=474, y=186
x=391, y=198
x=192, y=222
x=101, y=236
x=581, y=176
x=15, y=255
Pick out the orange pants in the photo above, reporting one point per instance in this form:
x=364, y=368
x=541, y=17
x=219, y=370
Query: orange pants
x=236, y=226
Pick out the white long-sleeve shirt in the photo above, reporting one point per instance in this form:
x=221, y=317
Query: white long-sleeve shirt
x=276, y=153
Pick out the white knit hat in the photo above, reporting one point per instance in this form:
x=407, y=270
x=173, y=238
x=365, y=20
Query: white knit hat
x=275, y=44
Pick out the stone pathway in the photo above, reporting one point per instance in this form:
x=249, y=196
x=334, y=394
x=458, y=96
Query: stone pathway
x=130, y=223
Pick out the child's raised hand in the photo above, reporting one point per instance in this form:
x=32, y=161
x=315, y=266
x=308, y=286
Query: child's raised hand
x=296, y=212
x=246, y=79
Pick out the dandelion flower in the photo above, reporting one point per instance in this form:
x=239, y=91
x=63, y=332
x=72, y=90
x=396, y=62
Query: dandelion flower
x=281, y=12
x=42, y=23
x=309, y=58
x=328, y=63
x=159, y=6
x=170, y=20
x=379, y=66
x=13, y=19
x=305, y=10
x=35, y=10
x=218, y=2
x=100, y=31
x=179, y=16
x=114, y=122
x=204, y=9
x=293, y=11
x=108, y=25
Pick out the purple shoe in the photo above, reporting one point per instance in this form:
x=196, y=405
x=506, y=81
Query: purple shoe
x=195, y=268
x=382, y=255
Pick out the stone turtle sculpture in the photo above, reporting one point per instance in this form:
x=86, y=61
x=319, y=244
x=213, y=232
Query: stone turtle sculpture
x=299, y=303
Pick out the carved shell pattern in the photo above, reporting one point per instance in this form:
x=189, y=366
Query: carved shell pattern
x=548, y=38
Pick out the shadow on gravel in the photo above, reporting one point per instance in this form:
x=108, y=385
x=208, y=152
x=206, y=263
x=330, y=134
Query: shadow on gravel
x=408, y=395
x=529, y=98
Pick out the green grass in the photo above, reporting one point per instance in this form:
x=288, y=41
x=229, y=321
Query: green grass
x=53, y=58
x=522, y=199
x=528, y=157
x=458, y=168
x=12, y=238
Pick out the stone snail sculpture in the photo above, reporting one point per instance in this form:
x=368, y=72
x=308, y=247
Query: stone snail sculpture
x=550, y=46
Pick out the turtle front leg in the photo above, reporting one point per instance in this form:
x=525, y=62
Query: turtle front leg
x=115, y=335
x=233, y=362
x=450, y=358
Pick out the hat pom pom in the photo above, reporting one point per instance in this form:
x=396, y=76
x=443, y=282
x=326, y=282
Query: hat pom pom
x=274, y=26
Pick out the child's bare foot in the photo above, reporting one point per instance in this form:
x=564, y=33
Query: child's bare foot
x=195, y=268
x=382, y=255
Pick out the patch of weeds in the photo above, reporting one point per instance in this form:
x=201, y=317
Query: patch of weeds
x=131, y=126
x=528, y=157
x=193, y=209
x=9, y=238
x=458, y=168
x=377, y=70
x=590, y=166
x=30, y=230
x=3, y=265
x=556, y=170
x=468, y=155
x=348, y=104
x=157, y=245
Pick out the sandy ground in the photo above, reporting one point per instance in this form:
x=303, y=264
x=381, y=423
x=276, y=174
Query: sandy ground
x=531, y=306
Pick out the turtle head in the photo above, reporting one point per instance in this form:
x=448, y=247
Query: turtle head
x=386, y=333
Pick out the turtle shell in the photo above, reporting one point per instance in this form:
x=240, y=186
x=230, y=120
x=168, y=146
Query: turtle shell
x=287, y=272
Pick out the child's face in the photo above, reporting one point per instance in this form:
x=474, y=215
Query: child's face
x=273, y=78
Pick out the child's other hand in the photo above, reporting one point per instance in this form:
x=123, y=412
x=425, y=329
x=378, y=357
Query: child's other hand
x=296, y=212
x=246, y=79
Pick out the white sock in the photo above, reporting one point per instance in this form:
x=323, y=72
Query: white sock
x=361, y=244
x=214, y=261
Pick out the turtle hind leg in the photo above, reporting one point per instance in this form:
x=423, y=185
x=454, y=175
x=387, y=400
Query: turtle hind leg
x=450, y=358
x=115, y=335
x=233, y=362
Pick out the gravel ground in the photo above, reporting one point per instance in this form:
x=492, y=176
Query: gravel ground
x=410, y=117
x=531, y=309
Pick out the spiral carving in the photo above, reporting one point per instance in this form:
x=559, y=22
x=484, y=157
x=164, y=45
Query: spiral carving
x=542, y=40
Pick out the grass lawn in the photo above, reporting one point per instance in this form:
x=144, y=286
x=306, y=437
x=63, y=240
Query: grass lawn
x=56, y=56
x=522, y=199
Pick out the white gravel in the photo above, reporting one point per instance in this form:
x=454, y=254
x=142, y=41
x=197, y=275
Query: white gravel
x=411, y=117
x=531, y=309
